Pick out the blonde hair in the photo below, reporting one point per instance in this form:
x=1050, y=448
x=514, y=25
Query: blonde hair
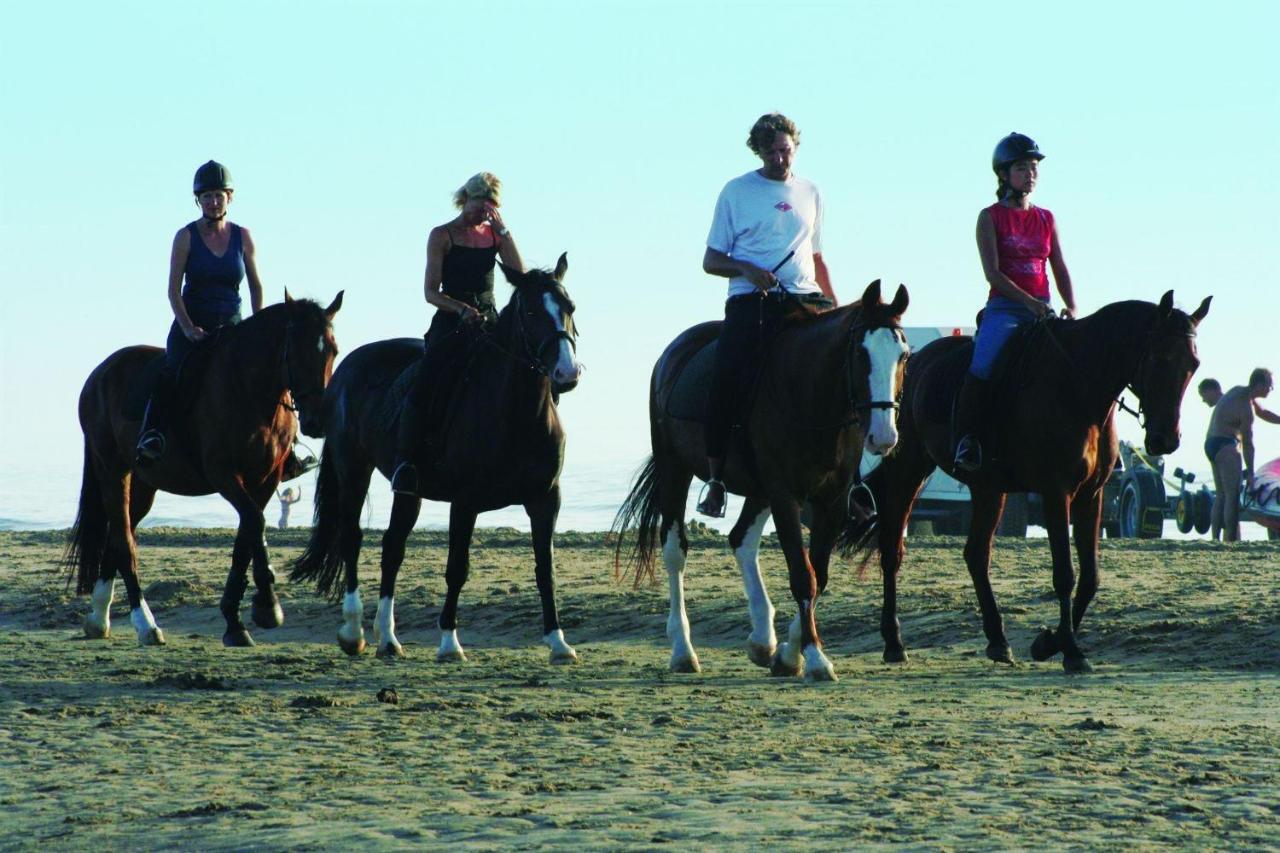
x=479, y=185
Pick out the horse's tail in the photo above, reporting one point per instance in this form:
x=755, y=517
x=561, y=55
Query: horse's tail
x=321, y=561
x=87, y=539
x=861, y=535
x=639, y=511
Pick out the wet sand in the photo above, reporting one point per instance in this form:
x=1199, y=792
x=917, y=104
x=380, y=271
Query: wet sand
x=1174, y=739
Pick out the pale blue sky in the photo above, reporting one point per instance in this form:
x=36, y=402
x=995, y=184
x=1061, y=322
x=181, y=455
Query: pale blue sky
x=614, y=125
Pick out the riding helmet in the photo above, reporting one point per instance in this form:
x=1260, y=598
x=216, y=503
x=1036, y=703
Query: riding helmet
x=212, y=176
x=1011, y=149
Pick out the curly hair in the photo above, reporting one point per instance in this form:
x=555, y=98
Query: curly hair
x=767, y=127
x=479, y=185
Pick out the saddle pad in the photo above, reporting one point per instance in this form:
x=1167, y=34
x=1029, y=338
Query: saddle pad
x=191, y=373
x=691, y=391
x=135, y=402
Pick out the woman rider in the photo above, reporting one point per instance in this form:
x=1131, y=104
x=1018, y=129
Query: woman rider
x=213, y=255
x=1015, y=238
x=459, y=282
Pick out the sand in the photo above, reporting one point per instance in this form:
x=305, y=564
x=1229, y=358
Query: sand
x=1174, y=739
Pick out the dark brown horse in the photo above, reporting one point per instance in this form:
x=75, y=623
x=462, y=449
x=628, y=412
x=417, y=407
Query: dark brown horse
x=1052, y=430
x=829, y=382
x=234, y=434
x=502, y=444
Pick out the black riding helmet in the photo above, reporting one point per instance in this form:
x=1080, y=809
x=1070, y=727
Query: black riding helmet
x=212, y=176
x=1011, y=149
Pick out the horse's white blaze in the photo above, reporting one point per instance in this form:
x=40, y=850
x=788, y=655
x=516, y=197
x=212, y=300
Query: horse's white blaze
x=817, y=666
x=885, y=349
x=560, y=650
x=103, y=594
x=384, y=626
x=450, y=648
x=789, y=651
x=320, y=345
x=352, y=631
x=758, y=604
x=673, y=558
x=567, y=368
x=143, y=622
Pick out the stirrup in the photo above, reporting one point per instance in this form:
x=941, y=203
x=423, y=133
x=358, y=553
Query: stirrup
x=968, y=455
x=703, y=497
x=404, y=480
x=151, y=446
x=295, y=467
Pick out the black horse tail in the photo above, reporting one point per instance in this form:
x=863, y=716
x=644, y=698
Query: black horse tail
x=639, y=511
x=321, y=561
x=860, y=533
x=87, y=539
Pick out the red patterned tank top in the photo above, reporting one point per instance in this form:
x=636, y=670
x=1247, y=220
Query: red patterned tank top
x=1022, y=245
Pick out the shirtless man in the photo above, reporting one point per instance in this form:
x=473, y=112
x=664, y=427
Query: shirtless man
x=1210, y=392
x=1229, y=446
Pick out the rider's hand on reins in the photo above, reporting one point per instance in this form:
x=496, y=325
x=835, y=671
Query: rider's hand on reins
x=195, y=334
x=762, y=279
x=470, y=315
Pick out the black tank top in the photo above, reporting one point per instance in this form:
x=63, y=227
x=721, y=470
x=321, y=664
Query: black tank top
x=467, y=272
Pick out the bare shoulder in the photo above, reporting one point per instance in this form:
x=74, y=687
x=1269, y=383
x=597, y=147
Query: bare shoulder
x=182, y=239
x=245, y=237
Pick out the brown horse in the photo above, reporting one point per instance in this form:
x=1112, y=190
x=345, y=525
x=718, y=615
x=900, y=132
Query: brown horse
x=1053, y=432
x=502, y=445
x=235, y=433
x=829, y=381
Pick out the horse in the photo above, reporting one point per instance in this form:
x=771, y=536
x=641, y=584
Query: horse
x=235, y=431
x=503, y=445
x=828, y=387
x=1052, y=431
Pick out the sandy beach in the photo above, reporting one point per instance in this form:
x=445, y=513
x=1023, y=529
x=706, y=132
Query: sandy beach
x=1175, y=739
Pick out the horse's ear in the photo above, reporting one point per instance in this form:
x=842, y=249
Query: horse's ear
x=512, y=274
x=562, y=266
x=1166, y=303
x=287, y=297
x=900, y=301
x=871, y=296
x=1201, y=312
x=335, y=305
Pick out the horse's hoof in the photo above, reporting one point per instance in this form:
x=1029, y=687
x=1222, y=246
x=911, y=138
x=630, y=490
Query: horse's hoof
x=761, y=655
x=779, y=668
x=898, y=655
x=451, y=656
x=820, y=674
x=1044, y=646
x=685, y=664
x=351, y=647
x=565, y=657
x=1076, y=665
x=237, y=639
x=390, y=650
x=153, y=637
x=94, y=631
x=1000, y=652
x=267, y=614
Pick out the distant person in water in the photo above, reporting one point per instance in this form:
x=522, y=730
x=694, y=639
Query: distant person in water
x=288, y=498
x=1229, y=448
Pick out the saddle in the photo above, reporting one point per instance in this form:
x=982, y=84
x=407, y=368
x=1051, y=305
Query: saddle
x=186, y=385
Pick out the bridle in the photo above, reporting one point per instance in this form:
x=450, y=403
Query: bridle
x=531, y=357
x=1136, y=385
x=854, y=336
x=286, y=372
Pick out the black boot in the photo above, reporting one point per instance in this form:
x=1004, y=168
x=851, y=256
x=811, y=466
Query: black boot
x=713, y=495
x=295, y=467
x=409, y=446
x=151, y=440
x=970, y=407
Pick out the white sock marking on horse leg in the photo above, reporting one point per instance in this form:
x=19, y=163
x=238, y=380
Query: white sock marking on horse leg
x=450, y=649
x=790, y=650
x=145, y=624
x=351, y=634
x=817, y=666
x=683, y=657
x=561, y=651
x=98, y=622
x=758, y=604
x=384, y=626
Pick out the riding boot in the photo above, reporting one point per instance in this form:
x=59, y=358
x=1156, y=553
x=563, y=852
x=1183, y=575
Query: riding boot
x=295, y=466
x=410, y=441
x=151, y=440
x=713, y=497
x=974, y=398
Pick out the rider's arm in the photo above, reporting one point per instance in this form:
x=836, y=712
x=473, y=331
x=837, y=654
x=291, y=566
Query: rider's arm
x=1061, y=275
x=177, y=266
x=989, y=253
x=507, y=250
x=1263, y=414
x=435, y=275
x=251, y=271
x=824, y=277
x=718, y=263
x=1246, y=444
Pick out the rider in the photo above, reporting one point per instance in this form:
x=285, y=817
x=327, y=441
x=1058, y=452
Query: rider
x=766, y=233
x=459, y=282
x=1015, y=238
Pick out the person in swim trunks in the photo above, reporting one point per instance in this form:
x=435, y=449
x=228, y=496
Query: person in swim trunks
x=1210, y=392
x=1229, y=448
x=461, y=255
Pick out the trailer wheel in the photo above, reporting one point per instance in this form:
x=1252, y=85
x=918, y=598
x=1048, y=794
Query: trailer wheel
x=1141, y=509
x=1184, y=513
x=1203, y=503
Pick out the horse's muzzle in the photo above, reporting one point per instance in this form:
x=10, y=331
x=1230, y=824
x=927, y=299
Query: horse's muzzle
x=1163, y=443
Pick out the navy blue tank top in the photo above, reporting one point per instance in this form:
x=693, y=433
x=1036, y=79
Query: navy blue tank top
x=467, y=272
x=212, y=289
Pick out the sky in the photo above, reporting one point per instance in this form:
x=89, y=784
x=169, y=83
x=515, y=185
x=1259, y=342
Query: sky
x=613, y=126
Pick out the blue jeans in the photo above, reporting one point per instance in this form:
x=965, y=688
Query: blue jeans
x=1000, y=319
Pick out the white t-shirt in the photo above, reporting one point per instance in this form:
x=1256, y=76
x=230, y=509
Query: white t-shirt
x=759, y=221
